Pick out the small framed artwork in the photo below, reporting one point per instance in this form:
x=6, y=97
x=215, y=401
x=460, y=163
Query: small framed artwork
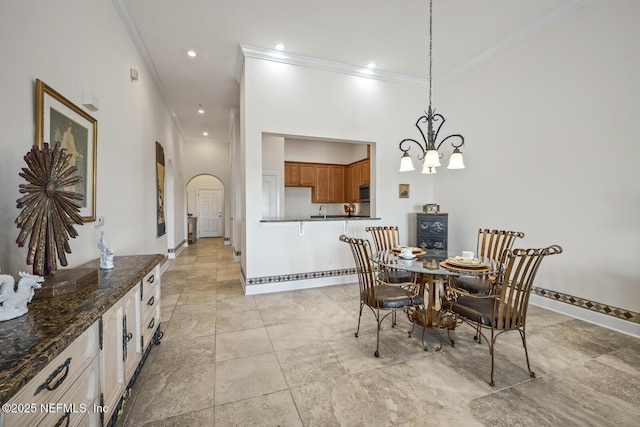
x=59, y=120
x=160, y=220
x=403, y=191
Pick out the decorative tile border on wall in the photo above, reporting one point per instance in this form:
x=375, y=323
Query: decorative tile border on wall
x=300, y=276
x=589, y=305
x=619, y=313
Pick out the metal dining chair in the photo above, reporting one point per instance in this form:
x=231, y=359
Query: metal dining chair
x=505, y=307
x=378, y=295
x=490, y=244
x=385, y=238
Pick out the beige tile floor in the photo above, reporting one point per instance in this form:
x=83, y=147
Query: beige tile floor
x=291, y=359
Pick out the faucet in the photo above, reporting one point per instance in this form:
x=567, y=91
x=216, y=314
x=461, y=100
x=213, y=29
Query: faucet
x=323, y=211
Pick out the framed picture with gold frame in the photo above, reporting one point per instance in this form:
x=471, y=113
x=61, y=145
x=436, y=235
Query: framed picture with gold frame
x=403, y=191
x=59, y=120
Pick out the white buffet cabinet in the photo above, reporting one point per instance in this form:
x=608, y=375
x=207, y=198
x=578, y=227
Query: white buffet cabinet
x=85, y=384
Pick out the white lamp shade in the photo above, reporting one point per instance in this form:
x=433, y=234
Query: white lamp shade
x=406, y=164
x=455, y=161
x=432, y=158
x=429, y=169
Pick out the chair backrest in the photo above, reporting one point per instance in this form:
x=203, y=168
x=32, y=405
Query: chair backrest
x=520, y=267
x=366, y=271
x=384, y=237
x=493, y=243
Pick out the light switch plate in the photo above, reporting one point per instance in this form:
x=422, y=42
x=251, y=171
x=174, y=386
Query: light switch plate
x=99, y=221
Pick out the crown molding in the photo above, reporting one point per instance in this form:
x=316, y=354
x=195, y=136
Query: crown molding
x=246, y=51
x=564, y=9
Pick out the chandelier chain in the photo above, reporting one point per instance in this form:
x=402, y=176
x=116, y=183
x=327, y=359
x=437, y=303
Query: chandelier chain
x=430, y=48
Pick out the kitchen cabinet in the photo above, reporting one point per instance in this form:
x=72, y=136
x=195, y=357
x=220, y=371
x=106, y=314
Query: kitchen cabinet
x=320, y=192
x=330, y=183
x=299, y=174
x=432, y=235
x=365, y=174
x=357, y=173
x=336, y=184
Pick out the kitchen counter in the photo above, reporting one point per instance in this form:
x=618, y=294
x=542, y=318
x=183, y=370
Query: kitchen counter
x=28, y=343
x=316, y=218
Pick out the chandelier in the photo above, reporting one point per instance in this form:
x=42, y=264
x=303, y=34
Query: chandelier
x=429, y=150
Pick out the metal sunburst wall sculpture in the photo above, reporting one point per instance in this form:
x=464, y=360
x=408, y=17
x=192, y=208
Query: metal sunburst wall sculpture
x=48, y=210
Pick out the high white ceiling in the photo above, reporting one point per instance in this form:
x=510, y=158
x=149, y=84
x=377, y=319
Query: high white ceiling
x=392, y=33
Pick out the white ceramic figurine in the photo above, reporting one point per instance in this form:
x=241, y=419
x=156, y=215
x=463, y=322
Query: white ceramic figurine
x=106, y=254
x=14, y=303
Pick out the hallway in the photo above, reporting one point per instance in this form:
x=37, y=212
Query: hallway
x=291, y=359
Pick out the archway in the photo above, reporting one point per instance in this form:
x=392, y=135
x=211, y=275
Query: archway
x=205, y=200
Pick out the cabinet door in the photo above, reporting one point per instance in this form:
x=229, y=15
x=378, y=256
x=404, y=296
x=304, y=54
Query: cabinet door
x=306, y=175
x=112, y=363
x=320, y=193
x=357, y=180
x=291, y=174
x=131, y=334
x=349, y=186
x=119, y=357
x=336, y=178
x=366, y=171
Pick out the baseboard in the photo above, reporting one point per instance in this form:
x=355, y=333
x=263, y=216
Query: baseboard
x=600, y=319
x=173, y=253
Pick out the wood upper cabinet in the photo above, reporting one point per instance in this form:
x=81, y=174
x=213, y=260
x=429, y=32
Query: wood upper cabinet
x=330, y=183
x=365, y=167
x=298, y=174
x=337, y=184
x=291, y=174
x=351, y=195
x=320, y=192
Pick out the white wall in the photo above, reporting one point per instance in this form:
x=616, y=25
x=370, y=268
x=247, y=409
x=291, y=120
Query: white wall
x=210, y=157
x=552, y=150
x=550, y=125
x=89, y=49
x=289, y=100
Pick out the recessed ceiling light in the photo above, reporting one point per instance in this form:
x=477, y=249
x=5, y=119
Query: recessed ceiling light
x=192, y=53
x=280, y=46
x=371, y=65
x=200, y=110
x=205, y=133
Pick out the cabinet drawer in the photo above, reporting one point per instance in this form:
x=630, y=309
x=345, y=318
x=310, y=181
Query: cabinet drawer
x=58, y=375
x=148, y=328
x=433, y=243
x=150, y=301
x=150, y=280
x=432, y=225
x=54, y=383
x=78, y=403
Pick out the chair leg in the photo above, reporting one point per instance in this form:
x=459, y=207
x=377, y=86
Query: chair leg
x=491, y=347
x=377, y=353
x=393, y=319
x=359, y=317
x=526, y=353
x=478, y=335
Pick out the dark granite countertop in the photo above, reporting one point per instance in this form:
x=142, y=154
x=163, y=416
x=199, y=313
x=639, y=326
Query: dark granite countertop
x=28, y=343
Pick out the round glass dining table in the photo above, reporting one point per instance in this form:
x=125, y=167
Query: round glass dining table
x=433, y=276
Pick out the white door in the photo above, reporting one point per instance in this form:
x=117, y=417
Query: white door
x=210, y=212
x=269, y=196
